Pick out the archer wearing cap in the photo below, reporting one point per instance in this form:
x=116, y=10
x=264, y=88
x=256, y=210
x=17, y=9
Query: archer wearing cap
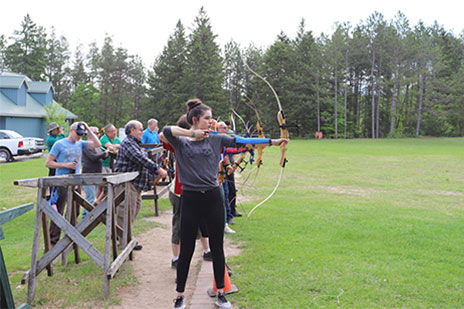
x=65, y=157
x=54, y=134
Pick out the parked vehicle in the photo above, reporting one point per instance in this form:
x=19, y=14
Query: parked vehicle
x=14, y=144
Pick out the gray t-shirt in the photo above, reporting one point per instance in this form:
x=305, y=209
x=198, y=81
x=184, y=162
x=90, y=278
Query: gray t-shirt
x=198, y=161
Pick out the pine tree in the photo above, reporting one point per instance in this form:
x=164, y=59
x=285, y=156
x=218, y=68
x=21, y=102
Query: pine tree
x=57, y=70
x=204, y=66
x=137, y=90
x=28, y=52
x=279, y=68
x=335, y=57
x=168, y=81
x=234, y=70
x=78, y=74
x=306, y=76
x=84, y=102
x=2, y=52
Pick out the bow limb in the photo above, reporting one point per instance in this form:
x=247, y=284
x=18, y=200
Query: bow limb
x=233, y=121
x=243, y=121
x=222, y=172
x=280, y=119
x=260, y=131
x=283, y=134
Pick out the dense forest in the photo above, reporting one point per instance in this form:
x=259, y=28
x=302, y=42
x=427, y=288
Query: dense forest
x=379, y=78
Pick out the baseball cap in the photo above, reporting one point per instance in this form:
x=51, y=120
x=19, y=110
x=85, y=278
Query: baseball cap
x=79, y=128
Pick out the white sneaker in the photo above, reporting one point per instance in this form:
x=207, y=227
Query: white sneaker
x=179, y=302
x=222, y=302
x=228, y=230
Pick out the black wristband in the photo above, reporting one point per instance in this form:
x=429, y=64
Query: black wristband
x=270, y=142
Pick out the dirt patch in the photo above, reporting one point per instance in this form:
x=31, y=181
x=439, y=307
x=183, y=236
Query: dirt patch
x=349, y=190
x=152, y=268
x=441, y=192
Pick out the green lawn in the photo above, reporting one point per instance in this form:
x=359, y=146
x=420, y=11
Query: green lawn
x=73, y=285
x=354, y=223
x=379, y=222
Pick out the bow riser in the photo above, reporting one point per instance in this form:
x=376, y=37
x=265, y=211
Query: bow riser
x=283, y=134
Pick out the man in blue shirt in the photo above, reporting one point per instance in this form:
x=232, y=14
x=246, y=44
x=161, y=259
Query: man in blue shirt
x=65, y=157
x=150, y=135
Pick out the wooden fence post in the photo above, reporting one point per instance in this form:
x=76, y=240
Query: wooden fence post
x=6, y=297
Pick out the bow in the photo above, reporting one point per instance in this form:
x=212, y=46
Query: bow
x=283, y=134
x=222, y=171
x=233, y=121
x=260, y=131
x=247, y=129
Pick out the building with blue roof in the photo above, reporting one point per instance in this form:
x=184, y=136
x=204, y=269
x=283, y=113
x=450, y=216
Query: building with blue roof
x=22, y=103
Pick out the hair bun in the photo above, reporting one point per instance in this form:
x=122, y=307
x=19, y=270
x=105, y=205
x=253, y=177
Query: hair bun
x=191, y=104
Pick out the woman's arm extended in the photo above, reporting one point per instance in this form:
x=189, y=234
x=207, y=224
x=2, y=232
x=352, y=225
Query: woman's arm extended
x=178, y=131
x=262, y=142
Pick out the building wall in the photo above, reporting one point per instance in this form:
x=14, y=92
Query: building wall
x=18, y=96
x=27, y=127
x=43, y=98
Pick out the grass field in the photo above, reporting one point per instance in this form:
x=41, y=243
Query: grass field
x=378, y=221
x=73, y=285
x=354, y=223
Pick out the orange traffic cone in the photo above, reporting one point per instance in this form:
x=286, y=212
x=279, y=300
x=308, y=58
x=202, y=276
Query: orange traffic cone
x=229, y=287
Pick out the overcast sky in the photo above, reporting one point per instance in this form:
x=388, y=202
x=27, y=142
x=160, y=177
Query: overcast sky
x=143, y=27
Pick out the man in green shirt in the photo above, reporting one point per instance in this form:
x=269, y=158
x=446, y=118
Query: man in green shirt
x=55, y=133
x=111, y=142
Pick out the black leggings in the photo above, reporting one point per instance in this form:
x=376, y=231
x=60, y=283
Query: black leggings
x=197, y=206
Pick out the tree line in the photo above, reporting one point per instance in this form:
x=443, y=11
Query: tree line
x=379, y=78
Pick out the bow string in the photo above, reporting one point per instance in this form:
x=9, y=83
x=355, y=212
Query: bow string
x=283, y=134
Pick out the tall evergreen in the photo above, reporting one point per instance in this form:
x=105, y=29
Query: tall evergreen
x=110, y=73
x=336, y=50
x=78, y=74
x=2, y=51
x=168, y=83
x=234, y=70
x=377, y=78
x=137, y=90
x=204, y=66
x=57, y=70
x=28, y=52
x=84, y=102
x=306, y=76
x=279, y=68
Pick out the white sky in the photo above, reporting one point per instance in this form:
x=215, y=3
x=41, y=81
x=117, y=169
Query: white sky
x=143, y=27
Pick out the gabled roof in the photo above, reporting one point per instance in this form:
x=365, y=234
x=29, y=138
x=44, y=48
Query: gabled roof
x=14, y=82
x=39, y=87
x=33, y=109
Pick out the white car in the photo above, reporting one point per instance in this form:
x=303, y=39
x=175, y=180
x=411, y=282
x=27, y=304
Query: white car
x=14, y=144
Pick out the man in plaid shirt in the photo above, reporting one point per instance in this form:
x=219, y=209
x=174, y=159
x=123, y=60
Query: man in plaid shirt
x=131, y=158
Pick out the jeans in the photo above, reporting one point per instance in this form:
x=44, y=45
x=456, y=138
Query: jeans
x=55, y=231
x=90, y=193
x=225, y=188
